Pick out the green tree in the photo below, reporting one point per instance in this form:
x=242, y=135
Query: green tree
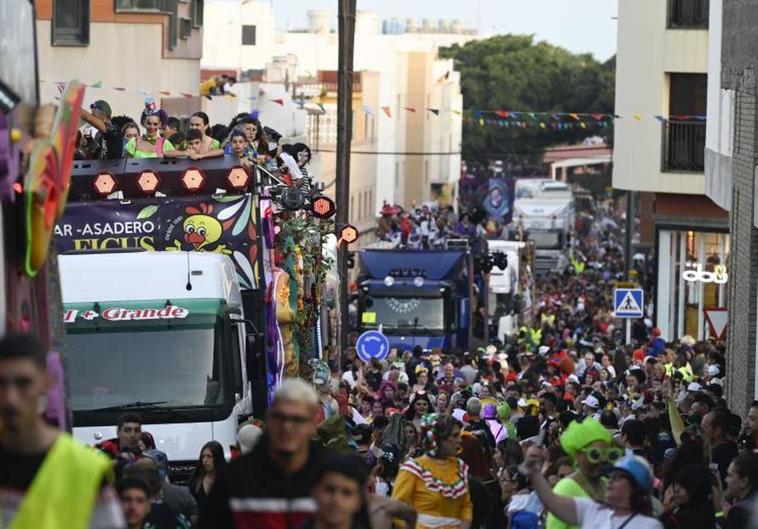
x=513, y=72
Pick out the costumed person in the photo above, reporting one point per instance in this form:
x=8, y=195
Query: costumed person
x=588, y=443
x=436, y=484
x=628, y=497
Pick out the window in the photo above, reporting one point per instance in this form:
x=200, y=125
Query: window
x=172, y=8
x=186, y=28
x=684, y=131
x=198, y=6
x=688, y=14
x=248, y=35
x=139, y=5
x=70, y=22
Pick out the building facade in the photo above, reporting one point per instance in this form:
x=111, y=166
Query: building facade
x=401, y=78
x=731, y=162
x=661, y=94
x=130, y=48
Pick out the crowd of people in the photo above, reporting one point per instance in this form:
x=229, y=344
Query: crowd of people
x=158, y=135
x=561, y=425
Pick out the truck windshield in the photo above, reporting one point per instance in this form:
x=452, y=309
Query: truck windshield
x=167, y=367
x=546, y=240
x=405, y=312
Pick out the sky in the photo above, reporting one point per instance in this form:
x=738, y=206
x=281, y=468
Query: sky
x=579, y=25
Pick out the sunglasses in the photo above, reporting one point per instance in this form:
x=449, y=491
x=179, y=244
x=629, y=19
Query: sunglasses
x=603, y=455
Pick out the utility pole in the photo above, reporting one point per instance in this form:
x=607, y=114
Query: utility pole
x=346, y=30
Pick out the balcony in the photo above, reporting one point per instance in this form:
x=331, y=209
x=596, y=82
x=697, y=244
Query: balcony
x=684, y=146
x=688, y=14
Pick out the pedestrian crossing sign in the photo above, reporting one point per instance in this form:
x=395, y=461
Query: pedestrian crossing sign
x=628, y=302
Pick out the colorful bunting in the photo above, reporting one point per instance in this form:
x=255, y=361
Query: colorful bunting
x=435, y=111
x=367, y=110
x=387, y=111
x=279, y=102
x=409, y=109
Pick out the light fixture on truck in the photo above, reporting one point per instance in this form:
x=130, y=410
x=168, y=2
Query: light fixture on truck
x=105, y=184
x=323, y=207
x=193, y=179
x=148, y=182
x=349, y=234
x=238, y=178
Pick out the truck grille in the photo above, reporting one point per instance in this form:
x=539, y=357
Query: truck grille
x=180, y=472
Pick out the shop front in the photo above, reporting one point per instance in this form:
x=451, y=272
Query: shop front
x=692, y=276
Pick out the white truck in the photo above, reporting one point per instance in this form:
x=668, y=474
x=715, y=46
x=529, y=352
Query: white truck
x=162, y=334
x=547, y=219
x=510, y=290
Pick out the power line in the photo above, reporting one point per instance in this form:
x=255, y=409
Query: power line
x=467, y=153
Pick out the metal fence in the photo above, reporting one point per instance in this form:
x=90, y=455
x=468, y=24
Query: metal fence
x=683, y=14
x=684, y=146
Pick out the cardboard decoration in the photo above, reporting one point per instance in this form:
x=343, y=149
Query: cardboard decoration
x=47, y=179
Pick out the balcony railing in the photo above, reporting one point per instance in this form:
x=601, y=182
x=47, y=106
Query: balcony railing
x=684, y=146
x=688, y=14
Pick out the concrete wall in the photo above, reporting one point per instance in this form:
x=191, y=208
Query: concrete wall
x=647, y=51
x=119, y=55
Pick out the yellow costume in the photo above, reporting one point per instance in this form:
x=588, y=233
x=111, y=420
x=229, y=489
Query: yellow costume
x=437, y=489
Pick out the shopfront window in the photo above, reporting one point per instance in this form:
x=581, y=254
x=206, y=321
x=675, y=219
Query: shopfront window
x=692, y=277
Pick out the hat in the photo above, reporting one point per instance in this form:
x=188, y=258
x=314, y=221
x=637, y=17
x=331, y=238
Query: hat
x=102, y=106
x=714, y=371
x=694, y=386
x=490, y=411
x=638, y=469
x=543, y=350
x=592, y=402
x=573, y=378
x=580, y=434
x=161, y=460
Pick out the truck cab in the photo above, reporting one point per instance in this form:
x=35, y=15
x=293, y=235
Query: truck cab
x=161, y=334
x=415, y=297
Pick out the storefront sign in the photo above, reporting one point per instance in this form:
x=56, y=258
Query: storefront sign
x=222, y=225
x=169, y=312
x=695, y=273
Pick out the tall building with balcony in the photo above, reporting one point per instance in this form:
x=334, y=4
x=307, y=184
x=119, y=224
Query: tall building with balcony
x=661, y=94
x=129, y=48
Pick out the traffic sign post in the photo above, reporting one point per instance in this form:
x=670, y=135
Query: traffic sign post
x=372, y=345
x=718, y=320
x=629, y=302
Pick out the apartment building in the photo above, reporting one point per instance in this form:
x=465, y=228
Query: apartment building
x=661, y=92
x=399, y=76
x=130, y=48
x=730, y=178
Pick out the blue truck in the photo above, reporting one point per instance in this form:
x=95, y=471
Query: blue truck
x=417, y=297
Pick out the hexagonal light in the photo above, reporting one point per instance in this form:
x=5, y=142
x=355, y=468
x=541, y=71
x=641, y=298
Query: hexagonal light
x=148, y=182
x=323, y=207
x=238, y=178
x=349, y=234
x=105, y=184
x=193, y=179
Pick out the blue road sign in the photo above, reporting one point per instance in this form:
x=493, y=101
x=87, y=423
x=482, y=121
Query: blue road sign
x=372, y=344
x=628, y=302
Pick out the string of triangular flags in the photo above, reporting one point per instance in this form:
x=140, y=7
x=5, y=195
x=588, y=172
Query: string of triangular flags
x=497, y=118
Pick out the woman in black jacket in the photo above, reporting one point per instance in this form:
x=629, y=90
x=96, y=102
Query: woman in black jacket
x=691, y=503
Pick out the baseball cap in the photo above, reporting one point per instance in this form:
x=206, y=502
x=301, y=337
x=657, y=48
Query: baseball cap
x=102, y=106
x=694, y=386
x=592, y=402
x=638, y=469
x=713, y=371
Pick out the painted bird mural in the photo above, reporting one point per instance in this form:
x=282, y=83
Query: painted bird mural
x=201, y=230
